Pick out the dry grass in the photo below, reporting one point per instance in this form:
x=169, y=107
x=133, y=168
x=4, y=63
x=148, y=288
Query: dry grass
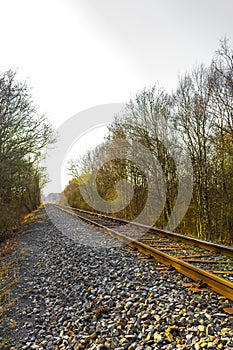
x=7, y=246
x=8, y=270
x=31, y=217
x=8, y=279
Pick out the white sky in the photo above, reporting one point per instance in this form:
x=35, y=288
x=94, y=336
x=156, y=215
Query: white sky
x=80, y=53
x=86, y=141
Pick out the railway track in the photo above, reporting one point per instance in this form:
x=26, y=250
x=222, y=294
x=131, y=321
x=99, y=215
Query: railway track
x=204, y=262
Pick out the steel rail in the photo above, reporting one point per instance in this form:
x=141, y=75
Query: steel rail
x=176, y=236
x=216, y=283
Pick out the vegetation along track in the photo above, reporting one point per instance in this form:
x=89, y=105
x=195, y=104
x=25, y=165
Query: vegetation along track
x=199, y=260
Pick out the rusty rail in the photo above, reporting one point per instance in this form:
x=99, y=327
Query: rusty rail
x=218, y=248
x=216, y=283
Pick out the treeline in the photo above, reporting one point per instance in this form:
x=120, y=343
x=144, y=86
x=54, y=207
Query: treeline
x=23, y=134
x=189, y=137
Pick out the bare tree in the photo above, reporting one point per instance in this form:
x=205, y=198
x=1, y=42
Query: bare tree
x=23, y=134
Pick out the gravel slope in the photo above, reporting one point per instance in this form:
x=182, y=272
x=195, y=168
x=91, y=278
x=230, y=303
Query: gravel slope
x=74, y=293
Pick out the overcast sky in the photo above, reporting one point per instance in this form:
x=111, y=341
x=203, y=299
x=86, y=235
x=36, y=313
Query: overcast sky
x=80, y=53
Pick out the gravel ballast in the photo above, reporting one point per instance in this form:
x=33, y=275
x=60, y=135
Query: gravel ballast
x=77, y=289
